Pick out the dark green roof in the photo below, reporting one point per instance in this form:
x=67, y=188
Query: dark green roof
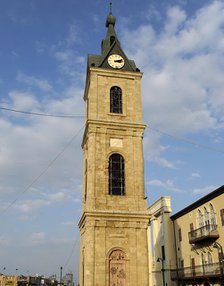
x=110, y=45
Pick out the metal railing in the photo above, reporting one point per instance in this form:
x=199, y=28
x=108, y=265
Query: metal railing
x=207, y=270
x=204, y=232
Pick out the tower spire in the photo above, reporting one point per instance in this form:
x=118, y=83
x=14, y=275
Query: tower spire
x=111, y=34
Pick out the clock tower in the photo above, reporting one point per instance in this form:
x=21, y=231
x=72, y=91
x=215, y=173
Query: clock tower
x=113, y=225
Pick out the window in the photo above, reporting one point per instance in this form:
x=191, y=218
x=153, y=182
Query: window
x=193, y=266
x=202, y=259
x=116, y=175
x=112, y=40
x=212, y=216
x=180, y=234
x=115, y=99
x=210, y=258
x=222, y=216
x=206, y=216
x=200, y=219
x=163, y=252
x=85, y=178
x=182, y=263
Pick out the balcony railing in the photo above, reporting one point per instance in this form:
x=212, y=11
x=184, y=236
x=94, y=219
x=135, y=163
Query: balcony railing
x=205, y=232
x=199, y=271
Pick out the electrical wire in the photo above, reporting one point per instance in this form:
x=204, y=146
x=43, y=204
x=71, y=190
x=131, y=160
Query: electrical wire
x=39, y=113
x=198, y=145
x=42, y=173
x=71, y=253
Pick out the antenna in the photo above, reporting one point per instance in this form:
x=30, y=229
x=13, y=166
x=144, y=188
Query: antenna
x=110, y=7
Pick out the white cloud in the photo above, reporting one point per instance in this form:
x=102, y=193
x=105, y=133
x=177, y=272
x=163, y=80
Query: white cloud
x=5, y=241
x=42, y=152
x=153, y=151
x=22, y=100
x=37, y=238
x=31, y=206
x=195, y=175
x=205, y=190
x=68, y=223
x=62, y=196
x=42, y=84
x=176, y=18
x=41, y=239
x=182, y=85
x=73, y=35
x=167, y=185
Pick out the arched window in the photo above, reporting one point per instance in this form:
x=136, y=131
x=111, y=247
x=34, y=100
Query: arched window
x=209, y=258
x=206, y=216
x=112, y=39
x=116, y=175
x=200, y=219
x=203, y=262
x=115, y=99
x=212, y=216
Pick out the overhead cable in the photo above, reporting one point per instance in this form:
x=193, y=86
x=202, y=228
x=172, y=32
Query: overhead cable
x=198, y=145
x=42, y=173
x=187, y=141
x=39, y=113
x=70, y=254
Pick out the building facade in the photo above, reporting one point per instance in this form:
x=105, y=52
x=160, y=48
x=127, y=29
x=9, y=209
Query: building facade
x=199, y=241
x=188, y=244
x=21, y=280
x=67, y=279
x=161, y=242
x=8, y=280
x=114, y=221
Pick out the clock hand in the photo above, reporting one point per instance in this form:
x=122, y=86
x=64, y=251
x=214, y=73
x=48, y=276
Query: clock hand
x=118, y=61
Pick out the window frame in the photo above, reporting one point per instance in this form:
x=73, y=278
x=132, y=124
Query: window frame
x=116, y=173
x=222, y=216
x=180, y=234
x=116, y=100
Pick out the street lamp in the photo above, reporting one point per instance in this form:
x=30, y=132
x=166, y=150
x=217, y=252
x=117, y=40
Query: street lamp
x=162, y=269
x=61, y=268
x=219, y=247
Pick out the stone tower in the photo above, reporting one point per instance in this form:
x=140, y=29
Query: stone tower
x=113, y=226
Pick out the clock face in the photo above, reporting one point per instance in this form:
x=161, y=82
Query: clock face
x=116, y=61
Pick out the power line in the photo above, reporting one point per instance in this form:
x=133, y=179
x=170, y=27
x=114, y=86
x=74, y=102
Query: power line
x=71, y=253
x=42, y=173
x=39, y=113
x=198, y=145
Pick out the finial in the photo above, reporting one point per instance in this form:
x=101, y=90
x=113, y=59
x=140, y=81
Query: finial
x=110, y=18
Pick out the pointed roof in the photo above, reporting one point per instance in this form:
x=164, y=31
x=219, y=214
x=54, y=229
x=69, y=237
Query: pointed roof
x=110, y=45
x=111, y=34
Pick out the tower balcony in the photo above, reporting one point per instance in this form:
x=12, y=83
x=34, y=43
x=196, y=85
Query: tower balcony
x=207, y=232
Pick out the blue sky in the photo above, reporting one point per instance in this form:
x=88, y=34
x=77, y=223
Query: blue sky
x=178, y=45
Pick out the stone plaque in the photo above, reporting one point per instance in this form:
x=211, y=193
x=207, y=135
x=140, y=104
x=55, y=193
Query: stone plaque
x=115, y=142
